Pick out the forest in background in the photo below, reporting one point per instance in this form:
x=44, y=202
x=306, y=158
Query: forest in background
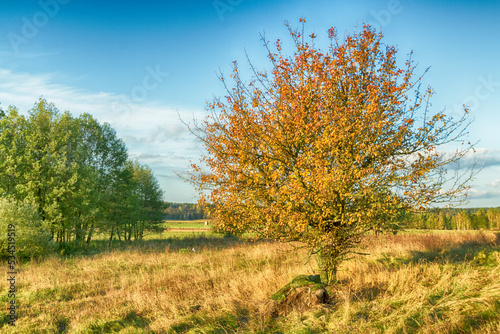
x=184, y=211
x=453, y=219
x=433, y=219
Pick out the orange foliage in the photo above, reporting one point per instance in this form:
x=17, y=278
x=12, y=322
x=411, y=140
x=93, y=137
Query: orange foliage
x=325, y=147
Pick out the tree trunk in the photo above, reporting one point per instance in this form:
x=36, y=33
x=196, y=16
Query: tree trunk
x=111, y=236
x=89, y=236
x=327, y=270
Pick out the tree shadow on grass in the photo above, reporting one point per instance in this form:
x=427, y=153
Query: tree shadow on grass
x=132, y=319
x=191, y=242
x=464, y=252
x=479, y=252
x=242, y=319
x=226, y=323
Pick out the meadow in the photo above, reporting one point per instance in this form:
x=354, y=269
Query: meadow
x=184, y=225
x=446, y=282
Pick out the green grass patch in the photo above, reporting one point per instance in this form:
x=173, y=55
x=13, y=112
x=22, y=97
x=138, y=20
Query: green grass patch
x=185, y=224
x=131, y=323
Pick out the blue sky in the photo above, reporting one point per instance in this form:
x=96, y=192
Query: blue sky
x=139, y=65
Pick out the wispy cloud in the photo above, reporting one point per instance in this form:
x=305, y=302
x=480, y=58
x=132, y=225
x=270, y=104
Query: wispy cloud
x=148, y=122
x=28, y=55
x=495, y=184
x=487, y=157
x=153, y=133
x=481, y=158
x=475, y=194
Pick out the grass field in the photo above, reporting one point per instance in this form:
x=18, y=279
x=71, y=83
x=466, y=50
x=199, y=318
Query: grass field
x=190, y=224
x=409, y=283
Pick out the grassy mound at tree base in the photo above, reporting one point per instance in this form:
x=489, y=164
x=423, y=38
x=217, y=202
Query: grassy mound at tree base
x=301, y=294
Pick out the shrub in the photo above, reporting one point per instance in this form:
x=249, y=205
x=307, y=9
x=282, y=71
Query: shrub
x=32, y=237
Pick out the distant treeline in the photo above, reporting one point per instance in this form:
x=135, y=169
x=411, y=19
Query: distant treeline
x=184, y=211
x=453, y=219
x=433, y=219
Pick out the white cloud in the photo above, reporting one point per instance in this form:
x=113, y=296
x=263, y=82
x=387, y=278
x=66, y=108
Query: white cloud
x=495, y=184
x=479, y=159
x=152, y=132
x=486, y=157
x=474, y=193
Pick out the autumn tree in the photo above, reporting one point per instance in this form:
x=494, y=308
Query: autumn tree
x=326, y=146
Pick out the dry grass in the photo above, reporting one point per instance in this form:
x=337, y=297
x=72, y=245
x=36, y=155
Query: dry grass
x=428, y=283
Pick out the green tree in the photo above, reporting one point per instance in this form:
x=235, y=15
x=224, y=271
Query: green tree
x=440, y=221
x=447, y=221
x=101, y=158
x=150, y=197
x=72, y=169
x=325, y=144
x=479, y=220
x=30, y=234
x=12, y=146
x=494, y=218
x=461, y=221
x=121, y=211
x=36, y=166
